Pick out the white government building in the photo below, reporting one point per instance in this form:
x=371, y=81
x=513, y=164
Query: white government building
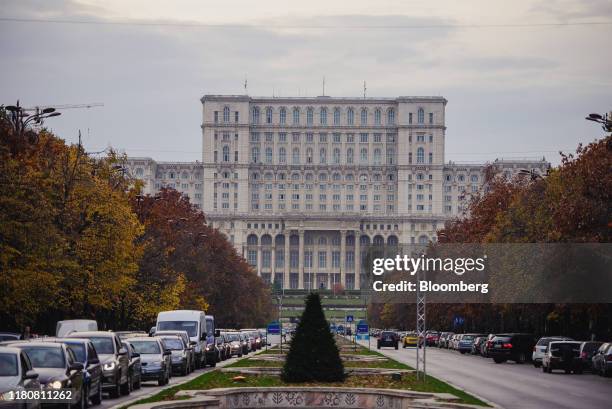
x=301, y=186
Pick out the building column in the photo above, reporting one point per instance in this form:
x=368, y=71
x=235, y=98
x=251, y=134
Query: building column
x=330, y=269
x=357, y=259
x=343, y=258
x=315, y=263
x=259, y=260
x=301, y=260
x=287, y=260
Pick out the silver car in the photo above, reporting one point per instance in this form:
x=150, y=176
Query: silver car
x=155, y=362
x=16, y=373
x=181, y=359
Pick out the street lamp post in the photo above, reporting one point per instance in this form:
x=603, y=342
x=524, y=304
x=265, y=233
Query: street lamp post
x=21, y=119
x=605, y=120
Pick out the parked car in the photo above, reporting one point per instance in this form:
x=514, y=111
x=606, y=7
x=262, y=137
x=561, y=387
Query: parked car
x=179, y=353
x=9, y=336
x=388, y=339
x=246, y=344
x=602, y=360
x=57, y=368
x=477, y=345
x=114, y=360
x=484, y=348
x=190, y=346
x=134, y=367
x=410, y=340
x=128, y=334
x=17, y=373
x=155, y=359
x=465, y=343
x=66, y=327
x=540, y=348
x=562, y=355
x=511, y=347
x=432, y=338
x=250, y=340
x=587, y=350
x=85, y=353
x=444, y=339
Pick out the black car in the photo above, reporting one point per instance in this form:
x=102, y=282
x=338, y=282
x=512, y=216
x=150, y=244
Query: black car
x=511, y=347
x=85, y=353
x=387, y=339
x=57, y=368
x=587, y=350
x=134, y=366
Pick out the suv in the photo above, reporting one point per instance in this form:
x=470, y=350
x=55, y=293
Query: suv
x=540, y=348
x=388, y=339
x=465, y=343
x=134, y=367
x=511, y=347
x=562, y=355
x=181, y=360
x=155, y=359
x=114, y=359
x=16, y=373
x=587, y=350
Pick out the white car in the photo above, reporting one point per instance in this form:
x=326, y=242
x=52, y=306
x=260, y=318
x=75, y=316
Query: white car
x=540, y=348
x=16, y=373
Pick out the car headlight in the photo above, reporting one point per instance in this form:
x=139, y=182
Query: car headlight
x=55, y=385
x=7, y=396
x=109, y=366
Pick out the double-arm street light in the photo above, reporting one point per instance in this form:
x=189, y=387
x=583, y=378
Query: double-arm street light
x=21, y=118
x=605, y=120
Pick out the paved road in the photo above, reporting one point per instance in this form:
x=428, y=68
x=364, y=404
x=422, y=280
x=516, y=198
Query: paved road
x=151, y=388
x=510, y=385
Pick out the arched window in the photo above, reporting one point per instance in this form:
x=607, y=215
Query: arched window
x=295, y=156
x=322, y=156
x=255, y=155
x=336, y=176
x=268, y=176
x=420, y=155
x=269, y=115
x=349, y=155
x=255, y=176
x=430, y=157
x=377, y=156
x=363, y=156
x=392, y=240
x=309, y=176
x=268, y=155
x=226, y=114
x=336, y=116
x=474, y=178
x=309, y=116
x=282, y=155
x=139, y=172
x=364, y=116
x=296, y=116
x=390, y=156
x=350, y=116
x=255, y=115
x=283, y=116
x=423, y=239
x=377, y=117
x=378, y=241
x=391, y=116
x=349, y=177
x=226, y=153
x=323, y=116
x=252, y=240
x=323, y=177
x=421, y=116
x=336, y=156
x=295, y=176
x=309, y=155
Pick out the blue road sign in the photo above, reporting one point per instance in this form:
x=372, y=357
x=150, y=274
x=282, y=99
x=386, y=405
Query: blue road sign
x=274, y=328
x=349, y=318
x=363, y=328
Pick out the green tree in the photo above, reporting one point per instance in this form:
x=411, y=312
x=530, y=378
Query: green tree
x=313, y=355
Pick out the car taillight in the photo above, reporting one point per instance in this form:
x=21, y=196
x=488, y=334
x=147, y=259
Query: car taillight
x=508, y=345
x=583, y=355
x=534, y=349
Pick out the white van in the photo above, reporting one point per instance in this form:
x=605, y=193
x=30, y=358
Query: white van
x=66, y=327
x=192, y=321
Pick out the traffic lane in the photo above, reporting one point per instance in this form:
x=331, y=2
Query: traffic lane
x=151, y=388
x=513, y=386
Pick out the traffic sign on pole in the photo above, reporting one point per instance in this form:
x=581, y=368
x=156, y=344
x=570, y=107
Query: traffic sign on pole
x=349, y=318
x=274, y=328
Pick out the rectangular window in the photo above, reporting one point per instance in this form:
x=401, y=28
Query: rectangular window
x=294, y=259
x=282, y=137
x=336, y=259
x=308, y=259
x=337, y=138
x=266, y=257
x=363, y=138
x=252, y=257
x=322, y=259
x=280, y=259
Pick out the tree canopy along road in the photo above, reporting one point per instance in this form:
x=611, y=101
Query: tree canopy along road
x=511, y=385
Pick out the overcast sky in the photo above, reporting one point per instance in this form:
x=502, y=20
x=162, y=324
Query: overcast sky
x=519, y=75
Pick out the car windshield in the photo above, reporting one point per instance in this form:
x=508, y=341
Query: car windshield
x=174, y=344
x=78, y=349
x=103, y=345
x=388, y=334
x=45, y=357
x=8, y=337
x=146, y=347
x=190, y=326
x=8, y=364
x=232, y=337
x=467, y=337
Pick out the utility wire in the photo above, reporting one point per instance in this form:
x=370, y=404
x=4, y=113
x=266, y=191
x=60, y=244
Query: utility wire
x=299, y=26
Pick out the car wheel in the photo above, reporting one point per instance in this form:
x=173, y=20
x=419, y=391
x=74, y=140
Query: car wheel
x=97, y=399
x=568, y=371
x=536, y=365
x=125, y=388
x=499, y=360
x=116, y=391
x=543, y=369
x=521, y=358
x=137, y=384
x=213, y=364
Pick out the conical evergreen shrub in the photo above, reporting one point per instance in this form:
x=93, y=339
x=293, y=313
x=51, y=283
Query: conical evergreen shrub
x=313, y=355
